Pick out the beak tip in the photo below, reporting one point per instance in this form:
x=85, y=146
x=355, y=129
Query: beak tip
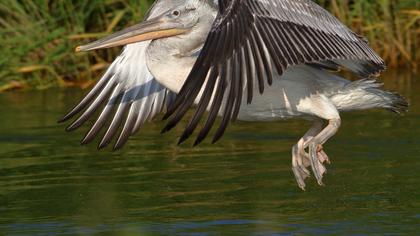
x=78, y=49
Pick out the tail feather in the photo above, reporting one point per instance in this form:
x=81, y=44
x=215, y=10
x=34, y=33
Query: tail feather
x=368, y=94
x=399, y=104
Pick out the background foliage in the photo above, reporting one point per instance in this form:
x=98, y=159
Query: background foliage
x=38, y=37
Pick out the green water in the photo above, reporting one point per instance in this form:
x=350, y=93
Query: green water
x=243, y=185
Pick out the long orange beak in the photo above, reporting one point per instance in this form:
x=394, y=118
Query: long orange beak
x=147, y=30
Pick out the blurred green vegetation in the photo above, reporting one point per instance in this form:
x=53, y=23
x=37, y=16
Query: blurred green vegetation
x=391, y=26
x=38, y=37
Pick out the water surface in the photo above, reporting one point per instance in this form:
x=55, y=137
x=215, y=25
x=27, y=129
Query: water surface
x=242, y=185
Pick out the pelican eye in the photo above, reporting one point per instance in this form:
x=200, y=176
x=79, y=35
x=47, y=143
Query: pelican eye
x=176, y=13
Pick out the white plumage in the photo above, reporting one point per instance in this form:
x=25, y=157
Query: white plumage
x=221, y=57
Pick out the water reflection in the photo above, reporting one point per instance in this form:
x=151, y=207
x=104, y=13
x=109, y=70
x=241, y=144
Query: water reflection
x=244, y=184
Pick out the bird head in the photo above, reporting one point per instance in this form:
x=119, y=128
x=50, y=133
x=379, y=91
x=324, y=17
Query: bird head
x=176, y=20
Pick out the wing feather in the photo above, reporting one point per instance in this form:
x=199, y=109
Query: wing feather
x=128, y=96
x=247, y=38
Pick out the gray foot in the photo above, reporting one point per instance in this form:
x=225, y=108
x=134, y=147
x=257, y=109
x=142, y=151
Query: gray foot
x=317, y=157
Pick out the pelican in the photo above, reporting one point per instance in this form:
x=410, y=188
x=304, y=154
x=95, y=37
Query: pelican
x=249, y=60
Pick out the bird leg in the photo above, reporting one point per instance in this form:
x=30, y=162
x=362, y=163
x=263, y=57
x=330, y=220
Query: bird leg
x=316, y=154
x=300, y=159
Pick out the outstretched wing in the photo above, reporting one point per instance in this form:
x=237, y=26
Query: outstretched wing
x=247, y=38
x=128, y=96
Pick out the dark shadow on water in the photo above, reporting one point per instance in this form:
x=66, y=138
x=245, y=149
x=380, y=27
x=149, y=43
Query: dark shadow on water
x=243, y=185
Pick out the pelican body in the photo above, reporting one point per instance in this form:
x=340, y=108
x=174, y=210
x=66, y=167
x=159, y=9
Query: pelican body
x=248, y=60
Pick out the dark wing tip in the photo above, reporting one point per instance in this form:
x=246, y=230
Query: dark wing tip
x=62, y=120
x=118, y=146
x=85, y=142
x=167, y=128
x=72, y=127
x=183, y=138
x=102, y=145
x=198, y=140
x=196, y=143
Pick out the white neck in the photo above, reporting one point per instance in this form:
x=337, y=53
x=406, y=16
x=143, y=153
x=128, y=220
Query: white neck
x=168, y=65
x=171, y=59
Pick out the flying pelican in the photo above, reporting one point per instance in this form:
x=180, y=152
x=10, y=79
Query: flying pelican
x=220, y=56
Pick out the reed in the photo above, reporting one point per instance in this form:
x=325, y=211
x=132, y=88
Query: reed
x=38, y=37
x=391, y=26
